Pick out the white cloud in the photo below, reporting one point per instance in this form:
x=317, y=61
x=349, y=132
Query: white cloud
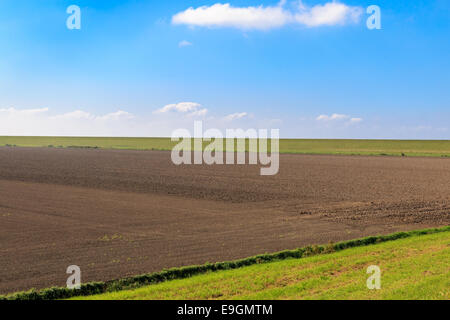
x=329, y=14
x=26, y=112
x=188, y=108
x=45, y=122
x=336, y=117
x=83, y=115
x=179, y=107
x=77, y=114
x=236, y=116
x=118, y=115
x=225, y=15
x=356, y=120
x=267, y=17
x=199, y=113
x=184, y=43
x=41, y=122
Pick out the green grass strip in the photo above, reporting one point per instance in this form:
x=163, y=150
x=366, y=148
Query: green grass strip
x=187, y=272
x=415, y=268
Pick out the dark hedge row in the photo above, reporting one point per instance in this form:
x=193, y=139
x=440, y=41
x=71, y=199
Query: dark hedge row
x=186, y=272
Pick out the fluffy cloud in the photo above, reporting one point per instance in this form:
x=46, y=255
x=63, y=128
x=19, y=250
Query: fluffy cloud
x=224, y=15
x=329, y=14
x=236, y=116
x=268, y=17
x=180, y=107
x=189, y=108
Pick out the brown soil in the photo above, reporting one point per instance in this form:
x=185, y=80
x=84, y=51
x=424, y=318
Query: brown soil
x=123, y=213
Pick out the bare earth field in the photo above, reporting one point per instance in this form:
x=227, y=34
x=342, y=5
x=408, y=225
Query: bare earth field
x=118, y=213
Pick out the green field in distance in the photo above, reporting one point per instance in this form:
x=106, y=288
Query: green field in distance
x=433, y=148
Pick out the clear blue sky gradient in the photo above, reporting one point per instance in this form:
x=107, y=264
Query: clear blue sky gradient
x=127, y=57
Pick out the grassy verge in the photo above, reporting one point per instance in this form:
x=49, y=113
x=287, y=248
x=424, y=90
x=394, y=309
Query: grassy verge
x=303, y=255
x=412, y=268
x=431, y=148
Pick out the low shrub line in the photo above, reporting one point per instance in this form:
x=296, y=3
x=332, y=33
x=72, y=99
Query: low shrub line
x=186, y=272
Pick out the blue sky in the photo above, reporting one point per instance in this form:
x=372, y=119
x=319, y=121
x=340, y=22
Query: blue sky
x=291, y=67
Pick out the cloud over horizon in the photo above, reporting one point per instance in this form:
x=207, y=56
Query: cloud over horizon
x=338, y=117
x=23, y=122
x=83, y=115
x=43, y=122
x=188, y=108
x=268, y=17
